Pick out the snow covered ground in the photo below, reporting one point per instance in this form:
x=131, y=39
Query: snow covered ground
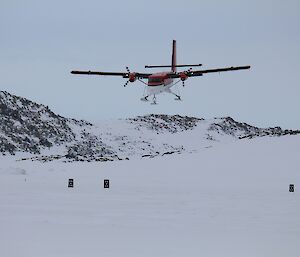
x=229, y=200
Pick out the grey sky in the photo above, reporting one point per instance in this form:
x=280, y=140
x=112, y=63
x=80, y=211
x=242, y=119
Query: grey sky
x=42, y=41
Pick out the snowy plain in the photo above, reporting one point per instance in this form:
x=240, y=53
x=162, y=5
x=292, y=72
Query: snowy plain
x=232, y=199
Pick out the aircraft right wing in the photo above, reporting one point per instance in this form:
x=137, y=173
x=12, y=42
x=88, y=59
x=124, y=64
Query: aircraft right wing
x=201, y=72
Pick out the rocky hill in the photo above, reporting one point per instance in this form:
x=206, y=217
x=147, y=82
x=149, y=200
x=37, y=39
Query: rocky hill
x=33, y=129
x=29, y=127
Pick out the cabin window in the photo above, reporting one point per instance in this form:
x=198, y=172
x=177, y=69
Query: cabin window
x=154, y=80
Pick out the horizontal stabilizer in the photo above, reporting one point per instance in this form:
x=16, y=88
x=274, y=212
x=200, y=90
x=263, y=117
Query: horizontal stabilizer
x=168, y=66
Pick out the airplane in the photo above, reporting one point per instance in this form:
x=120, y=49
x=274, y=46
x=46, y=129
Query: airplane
x=161, y=81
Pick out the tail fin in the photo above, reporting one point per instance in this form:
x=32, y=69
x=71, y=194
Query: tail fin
x=174, y=69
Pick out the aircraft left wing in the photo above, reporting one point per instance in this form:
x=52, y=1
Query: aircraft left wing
x=121, y=74
x=201, y=72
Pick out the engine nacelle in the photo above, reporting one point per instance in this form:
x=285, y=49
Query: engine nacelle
x=132, y=77
x=183, y=76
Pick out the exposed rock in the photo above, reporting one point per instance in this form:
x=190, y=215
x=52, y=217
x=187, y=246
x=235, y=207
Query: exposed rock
x=165, y=123
x=243, y=130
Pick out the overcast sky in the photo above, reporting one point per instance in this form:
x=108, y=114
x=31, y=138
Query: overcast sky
x=42, y=41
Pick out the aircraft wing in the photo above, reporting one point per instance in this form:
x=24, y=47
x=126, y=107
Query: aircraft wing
x=201, y=72
x=121, y=74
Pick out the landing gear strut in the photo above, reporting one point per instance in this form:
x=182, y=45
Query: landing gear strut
x=178, y=98
x=154, y=100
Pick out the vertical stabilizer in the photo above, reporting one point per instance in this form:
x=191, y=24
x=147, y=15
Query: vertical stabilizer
x=174, y=56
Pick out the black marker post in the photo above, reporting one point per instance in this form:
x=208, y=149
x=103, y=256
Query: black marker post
x=106, y=183
x=71, y=182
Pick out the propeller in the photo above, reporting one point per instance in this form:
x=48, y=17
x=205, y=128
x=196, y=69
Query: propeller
x=128, y=76
x=186, y=73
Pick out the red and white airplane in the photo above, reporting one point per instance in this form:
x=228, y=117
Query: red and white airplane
x=162, y=81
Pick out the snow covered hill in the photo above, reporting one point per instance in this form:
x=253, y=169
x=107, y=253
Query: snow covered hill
x=33, y=131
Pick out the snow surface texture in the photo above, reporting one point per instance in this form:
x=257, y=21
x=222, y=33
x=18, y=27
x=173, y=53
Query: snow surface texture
x=229, y=200
x=33, y=131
